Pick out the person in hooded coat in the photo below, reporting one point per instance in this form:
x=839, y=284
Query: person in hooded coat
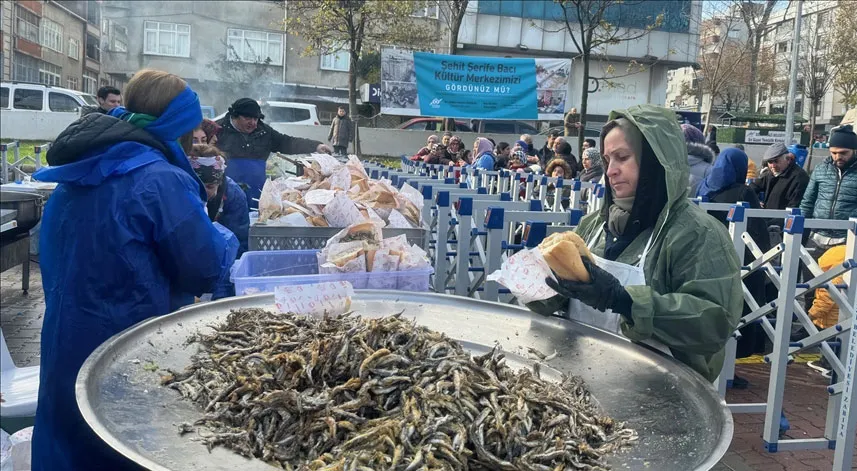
x=725, y=183
x=341, y=131
x=125, y=228
x=699, y=157
x=691, y=298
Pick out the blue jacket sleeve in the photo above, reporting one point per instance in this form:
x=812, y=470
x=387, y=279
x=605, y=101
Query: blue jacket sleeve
x=485, y=162
x=236, y=214
x=192, y=252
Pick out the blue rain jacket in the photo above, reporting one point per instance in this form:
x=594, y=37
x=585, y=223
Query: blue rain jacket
x=251, y=174
x=235, y=213
x=123, y=234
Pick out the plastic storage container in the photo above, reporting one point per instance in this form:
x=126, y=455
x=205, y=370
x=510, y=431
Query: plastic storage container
x=260, y=272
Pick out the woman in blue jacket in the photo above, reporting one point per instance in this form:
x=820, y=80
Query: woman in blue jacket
x=123, y=234
x=483, y=154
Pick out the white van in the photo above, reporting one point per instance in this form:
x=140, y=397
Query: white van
x=287, y=112
x=31, y=111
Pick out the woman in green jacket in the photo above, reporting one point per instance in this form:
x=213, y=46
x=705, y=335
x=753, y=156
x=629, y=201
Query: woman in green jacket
x=666, y=273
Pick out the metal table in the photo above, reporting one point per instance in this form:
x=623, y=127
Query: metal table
x=7, y=219
x=682, y=424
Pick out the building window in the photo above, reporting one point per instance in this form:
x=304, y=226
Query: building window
x=783, y=46
x=73, y=83
x=74, y=49
x=50, y=74
x=254, y=46
x=51, y=35
x=430, y=10
x=26, y=68
x=798, y=107
x=93, y=47
x=27, y=25
x=166, y=39
x=118, y=38
x=338, y=61
x=90, y=83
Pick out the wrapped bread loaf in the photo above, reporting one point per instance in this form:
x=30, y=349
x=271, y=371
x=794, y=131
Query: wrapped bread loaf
x=564, y=252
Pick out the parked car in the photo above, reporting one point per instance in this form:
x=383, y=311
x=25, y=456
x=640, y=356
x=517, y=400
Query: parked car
x=32, y=111
x=287, y=112
x=483, y=126
x=588, y=132
x=432, y=124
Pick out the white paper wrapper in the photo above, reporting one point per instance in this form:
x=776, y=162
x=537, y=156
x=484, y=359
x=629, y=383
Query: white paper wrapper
x=270, y=204
x=342, y=212
x=398, y=243
x=524, y=274
x=374, y=217
x=384, y=262
x=414, y=258
x=319, y=197
x=413, y=195
x=318, y=299
x=340, y=179
x=291, y=220
x=397, y=221
x=324, y=163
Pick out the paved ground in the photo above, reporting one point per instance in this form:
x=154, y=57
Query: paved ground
x=805, y=401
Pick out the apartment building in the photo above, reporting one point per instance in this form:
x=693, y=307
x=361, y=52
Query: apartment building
x=52, y=42
x=817, y=20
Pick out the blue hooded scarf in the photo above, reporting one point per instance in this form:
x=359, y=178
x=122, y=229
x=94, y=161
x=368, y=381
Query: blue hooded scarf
x=729, y=168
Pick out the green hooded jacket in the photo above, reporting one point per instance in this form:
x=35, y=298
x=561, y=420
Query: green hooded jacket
x=693, y=298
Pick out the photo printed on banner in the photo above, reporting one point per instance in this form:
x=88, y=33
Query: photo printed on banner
x=399, y=83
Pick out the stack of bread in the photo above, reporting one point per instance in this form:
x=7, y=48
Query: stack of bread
x=335, y=194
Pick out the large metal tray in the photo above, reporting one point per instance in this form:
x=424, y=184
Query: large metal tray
x=681, y=422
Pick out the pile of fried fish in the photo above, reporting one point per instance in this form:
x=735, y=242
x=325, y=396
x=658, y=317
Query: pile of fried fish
x=345, y=392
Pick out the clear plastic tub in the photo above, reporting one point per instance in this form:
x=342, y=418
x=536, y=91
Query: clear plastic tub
x=260, y=272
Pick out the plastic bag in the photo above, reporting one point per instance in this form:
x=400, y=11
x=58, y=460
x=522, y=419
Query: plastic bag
x=16, y=450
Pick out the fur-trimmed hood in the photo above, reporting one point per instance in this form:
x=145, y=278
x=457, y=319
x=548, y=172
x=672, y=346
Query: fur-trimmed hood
x=700, y=151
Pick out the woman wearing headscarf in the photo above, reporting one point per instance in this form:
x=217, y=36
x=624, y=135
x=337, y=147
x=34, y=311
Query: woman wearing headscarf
x=483, y=154
x=725, y=183
x=593, y=168
x=456, y=152
x=665, y=273
x=437, y=155
x=206, y=132
x=227, y=203
x=123, y=233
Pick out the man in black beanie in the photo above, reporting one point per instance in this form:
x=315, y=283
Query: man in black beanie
x=832, y=190
x=247, y=142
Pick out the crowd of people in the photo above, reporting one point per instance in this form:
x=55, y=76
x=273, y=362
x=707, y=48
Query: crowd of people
x=153, y=202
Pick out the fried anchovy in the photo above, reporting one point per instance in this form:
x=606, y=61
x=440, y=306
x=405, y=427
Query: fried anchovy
x=345, y=392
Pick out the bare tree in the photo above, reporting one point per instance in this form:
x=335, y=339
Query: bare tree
x=722, y=59
x=816, y=69
x=355, y=26
x=588, y=23
x=843, y=53
x=755, y=15
x=452, y=13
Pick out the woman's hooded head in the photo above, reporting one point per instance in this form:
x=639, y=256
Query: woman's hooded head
x=482, y=145
x=729, y=168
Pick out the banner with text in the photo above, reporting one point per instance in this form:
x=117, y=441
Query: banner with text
x=424, y=84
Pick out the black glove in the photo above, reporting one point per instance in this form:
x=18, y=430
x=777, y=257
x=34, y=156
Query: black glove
x=549, y=307
x=602, y=293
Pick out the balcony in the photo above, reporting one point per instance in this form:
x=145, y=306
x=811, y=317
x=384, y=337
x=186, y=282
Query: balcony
x=93, y=51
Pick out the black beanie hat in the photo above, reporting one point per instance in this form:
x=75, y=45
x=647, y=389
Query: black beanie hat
x=246, y=107
x=843, y=137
